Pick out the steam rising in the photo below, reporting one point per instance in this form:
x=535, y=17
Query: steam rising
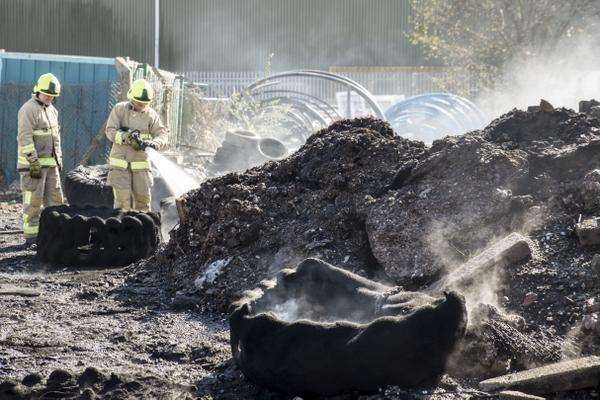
x=563, y=78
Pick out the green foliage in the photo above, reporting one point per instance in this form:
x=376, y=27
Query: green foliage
x=478, y=38
x=205, y=121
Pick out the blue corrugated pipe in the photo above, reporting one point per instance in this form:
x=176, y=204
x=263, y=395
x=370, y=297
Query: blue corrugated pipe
x=434, y=115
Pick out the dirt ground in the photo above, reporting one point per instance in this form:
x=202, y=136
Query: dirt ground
x=52, y=318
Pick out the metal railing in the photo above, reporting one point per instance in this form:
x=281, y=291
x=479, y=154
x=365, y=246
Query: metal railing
x=222, y=84
x=399, y=81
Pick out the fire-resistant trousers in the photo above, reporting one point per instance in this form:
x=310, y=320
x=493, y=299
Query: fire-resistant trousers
x=37, y=193
x=131, y=187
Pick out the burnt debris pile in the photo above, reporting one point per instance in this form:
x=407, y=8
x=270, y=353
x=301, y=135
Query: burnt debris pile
x=312, y=203
x=504, y=201
x=370, y=202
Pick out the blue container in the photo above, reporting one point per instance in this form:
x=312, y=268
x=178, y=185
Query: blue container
x=84, y=104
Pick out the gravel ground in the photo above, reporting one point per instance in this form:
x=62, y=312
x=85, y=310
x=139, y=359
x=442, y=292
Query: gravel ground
x=56, y=322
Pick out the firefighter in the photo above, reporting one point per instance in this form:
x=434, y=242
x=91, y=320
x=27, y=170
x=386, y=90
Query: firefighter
x=132, y=127
x=39, y=158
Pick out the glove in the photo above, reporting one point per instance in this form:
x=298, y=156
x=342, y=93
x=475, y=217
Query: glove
x=134, y=144
x=125, y=136
x=132, y=138
x=35, y=169
x=149, y=144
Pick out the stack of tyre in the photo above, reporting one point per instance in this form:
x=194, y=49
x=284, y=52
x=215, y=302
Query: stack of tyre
x=96, y=236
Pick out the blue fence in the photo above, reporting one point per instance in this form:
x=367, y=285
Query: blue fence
x=86, y=99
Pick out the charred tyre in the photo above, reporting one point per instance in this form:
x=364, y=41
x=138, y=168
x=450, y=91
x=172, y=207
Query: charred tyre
x=86, y=185
x=320, y=330
x=96, y=236
x=243, y=149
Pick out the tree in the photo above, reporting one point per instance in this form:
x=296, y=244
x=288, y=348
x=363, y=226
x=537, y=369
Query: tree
x=480, y=37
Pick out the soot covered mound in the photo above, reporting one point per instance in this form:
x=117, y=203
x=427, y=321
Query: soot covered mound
x=321, y=330
x=311, y=204
x=469, y=189
x=371, y=203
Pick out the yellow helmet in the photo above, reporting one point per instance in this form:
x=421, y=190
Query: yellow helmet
x=140, y=91
x=47, y=84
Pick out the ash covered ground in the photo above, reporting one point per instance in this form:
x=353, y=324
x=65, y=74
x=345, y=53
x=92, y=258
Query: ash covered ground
x=360, y=198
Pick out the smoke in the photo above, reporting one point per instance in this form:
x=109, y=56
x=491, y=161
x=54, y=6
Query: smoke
x=286, y=257
x=304, y=302
x=320, y=294
x=440, y=246
x=305, y=307
x=169, y=217
x=572, y=343
x=563, y=77
x=486, y=278
x=483, y=288
x=288, y=311
x=451, y=242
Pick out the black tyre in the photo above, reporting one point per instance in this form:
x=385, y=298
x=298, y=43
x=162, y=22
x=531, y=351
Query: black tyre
x=151, y=233
x=87, y=186
x=96, y=236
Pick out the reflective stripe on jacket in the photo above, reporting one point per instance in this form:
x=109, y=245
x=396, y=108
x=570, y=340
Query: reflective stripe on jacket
x=38, y=136
x=123, y=116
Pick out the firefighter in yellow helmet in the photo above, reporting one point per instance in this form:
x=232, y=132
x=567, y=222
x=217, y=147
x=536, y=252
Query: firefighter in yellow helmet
x=132, y=127
x=39, y=158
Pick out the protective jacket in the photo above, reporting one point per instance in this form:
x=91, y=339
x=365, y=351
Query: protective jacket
x=123, y=117
x=129, y=173
x=38, y=138
x=38, y=135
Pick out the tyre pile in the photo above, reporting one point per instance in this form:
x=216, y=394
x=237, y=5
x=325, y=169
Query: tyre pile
x=96, y=236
